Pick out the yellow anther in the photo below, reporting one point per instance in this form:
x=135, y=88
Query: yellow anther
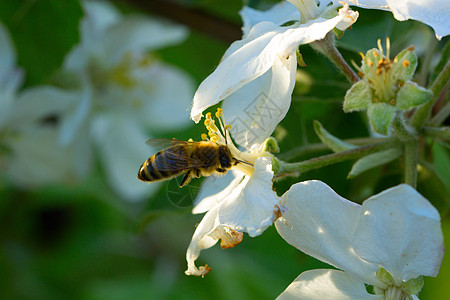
x=405, y=63
x=214, y=138
x=204, y=137
x=362, y=55
x=218, y=112
x=375, y=53
x=207, y=122
x=370, y=62
x=208, y=116
x=210, y=133
x=228, y=127
x=190, y=140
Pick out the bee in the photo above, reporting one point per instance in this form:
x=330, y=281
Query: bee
x=196, y=159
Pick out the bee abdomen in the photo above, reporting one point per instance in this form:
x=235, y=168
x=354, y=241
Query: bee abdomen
x=156, y=168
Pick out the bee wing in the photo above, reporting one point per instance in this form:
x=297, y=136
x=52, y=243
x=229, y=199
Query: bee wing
x=174, y=161
x=164, y=143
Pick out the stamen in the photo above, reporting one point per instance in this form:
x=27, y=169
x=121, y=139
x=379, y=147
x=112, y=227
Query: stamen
x=218, y=113
x=362, y=55
x=208, y=116
x=380, y=47
x=405, y=63
x=228, y=127
x=388, y=47
x=204, y=137
x=207, y=122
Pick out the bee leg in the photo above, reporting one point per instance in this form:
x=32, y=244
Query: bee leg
x=186, y=179
x=220, y=170
x=198, y=173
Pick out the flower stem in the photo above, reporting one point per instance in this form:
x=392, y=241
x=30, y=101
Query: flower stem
x=440, y=133
x=422, y=113
x=328, y=48
x=322, y=161
x=411, y=160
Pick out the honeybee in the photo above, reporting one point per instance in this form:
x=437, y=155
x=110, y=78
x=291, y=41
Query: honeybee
x=197, y=159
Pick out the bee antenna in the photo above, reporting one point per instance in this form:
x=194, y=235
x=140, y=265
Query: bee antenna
x=244, y=162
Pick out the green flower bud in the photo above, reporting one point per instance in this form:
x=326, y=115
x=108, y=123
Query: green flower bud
x=411, y=95
x=405, y=64
x=381, y=116
x=358, y=97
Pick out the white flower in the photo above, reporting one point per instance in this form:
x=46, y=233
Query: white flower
x=30, y=154
x=241, y=201
x=257, y=74
x=434, y=13
x=122, y=92
x=389, y=242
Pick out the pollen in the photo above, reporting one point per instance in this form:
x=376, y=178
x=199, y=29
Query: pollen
x=406, y=63
x=190, y=140
x=219, y=112
x=370, y=62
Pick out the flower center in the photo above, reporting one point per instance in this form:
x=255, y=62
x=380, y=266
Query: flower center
x=222, y=137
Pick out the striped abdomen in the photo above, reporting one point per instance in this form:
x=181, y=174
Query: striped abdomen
x=163, y=165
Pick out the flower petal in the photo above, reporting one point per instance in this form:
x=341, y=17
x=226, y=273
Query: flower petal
x=433, y=13
x=166, y=94
x=138, y=34
x=7, y=52
x=252, y=206
x=253, y=56
x=255, y=109
x=121, y=143
x=201, y=240
x=400, y=230
x=326, y=284
x=208, y=196
x=321, y=223
x=37, y=153
x=278, y=14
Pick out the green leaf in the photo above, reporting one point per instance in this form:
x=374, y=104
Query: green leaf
x=381, y=116
x=443, y=61
x=330, y=140
x=374, y=160
x=43, y=32
x=405, y=64
x=358, y=97
x=300, y=60
x=411, y=95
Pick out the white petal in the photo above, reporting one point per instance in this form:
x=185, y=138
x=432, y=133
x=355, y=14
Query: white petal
x=255, y=109
x=326, y=284
x=433, y=13
x=36, y=103
x=400, y=230
x=101, y=14
x=38, y=159
x=166, y=104
x=215, y=189
x=122, y=147
x=76, y=118
x=278, y=14
x=201, y=240
x=257, y=53
x=138, y=34
x=321, y=223
x=252, y=206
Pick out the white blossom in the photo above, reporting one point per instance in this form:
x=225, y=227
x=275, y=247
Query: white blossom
x=241, y=201
x=390, y=241
x=257, y=74
x=30, y=154
x=123, y=93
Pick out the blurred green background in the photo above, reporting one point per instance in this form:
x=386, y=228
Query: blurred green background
x=81, y=241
